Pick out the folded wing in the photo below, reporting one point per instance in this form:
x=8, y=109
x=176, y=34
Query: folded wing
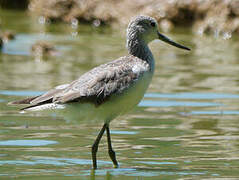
x=96, y=85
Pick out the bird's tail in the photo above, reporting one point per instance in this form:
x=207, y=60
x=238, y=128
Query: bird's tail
x=23, y=101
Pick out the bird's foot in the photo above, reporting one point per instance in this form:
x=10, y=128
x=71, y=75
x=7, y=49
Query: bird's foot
x=115, y=165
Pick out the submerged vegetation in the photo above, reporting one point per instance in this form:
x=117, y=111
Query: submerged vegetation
x=42, y=49
x=213, y=17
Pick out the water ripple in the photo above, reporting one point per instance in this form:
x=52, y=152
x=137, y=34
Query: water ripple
x=192, y=96
x=35, y=142
x=213, y=113
x=155, y=163
x=51, y=161
x=123, y=132
x=139, y=172
x=151, y=103
x=21, y=93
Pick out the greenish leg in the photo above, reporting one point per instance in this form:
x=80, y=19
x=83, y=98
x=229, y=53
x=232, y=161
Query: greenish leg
x=110, y=149
x=96, y=144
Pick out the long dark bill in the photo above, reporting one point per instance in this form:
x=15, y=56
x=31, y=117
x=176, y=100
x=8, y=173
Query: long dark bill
x=169, y=41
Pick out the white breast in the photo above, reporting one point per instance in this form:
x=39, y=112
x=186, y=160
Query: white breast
x=117, y=104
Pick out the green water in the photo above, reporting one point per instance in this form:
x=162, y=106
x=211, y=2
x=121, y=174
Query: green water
x=186, y=127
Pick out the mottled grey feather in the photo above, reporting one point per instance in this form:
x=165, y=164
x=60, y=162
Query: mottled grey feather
x=98, y=84
x=112, y=78
x=103, y=81
x=23, y=101
x=49, y=95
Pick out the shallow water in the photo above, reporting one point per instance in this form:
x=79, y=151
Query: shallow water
x=186, y=127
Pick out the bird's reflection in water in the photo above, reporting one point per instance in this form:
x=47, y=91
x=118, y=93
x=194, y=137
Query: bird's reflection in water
x=108, y=176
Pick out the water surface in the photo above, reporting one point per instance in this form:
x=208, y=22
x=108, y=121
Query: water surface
x=186, y=127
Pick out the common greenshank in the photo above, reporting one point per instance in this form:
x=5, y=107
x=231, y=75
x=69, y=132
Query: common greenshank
x=111, y=89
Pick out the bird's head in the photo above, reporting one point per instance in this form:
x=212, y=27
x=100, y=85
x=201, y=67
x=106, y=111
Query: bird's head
x=146, y=28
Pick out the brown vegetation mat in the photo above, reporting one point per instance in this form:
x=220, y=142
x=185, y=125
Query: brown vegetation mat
x=212, y=16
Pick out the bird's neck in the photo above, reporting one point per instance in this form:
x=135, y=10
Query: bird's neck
x=137, y=47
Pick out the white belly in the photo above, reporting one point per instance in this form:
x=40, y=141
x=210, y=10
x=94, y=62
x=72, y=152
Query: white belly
x=116, y=105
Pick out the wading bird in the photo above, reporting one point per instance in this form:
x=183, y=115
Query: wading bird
x=108, y=90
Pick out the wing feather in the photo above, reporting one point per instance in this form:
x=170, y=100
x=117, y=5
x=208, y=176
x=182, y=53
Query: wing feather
x=103, y=81
x=98, y=84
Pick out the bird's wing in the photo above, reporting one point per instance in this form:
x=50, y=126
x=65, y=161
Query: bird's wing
x=96, y=85
x=103, y=81
x=41, y=99
x=48, y=96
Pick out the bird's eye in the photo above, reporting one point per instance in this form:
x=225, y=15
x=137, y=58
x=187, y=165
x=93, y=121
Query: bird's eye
x=152, y=24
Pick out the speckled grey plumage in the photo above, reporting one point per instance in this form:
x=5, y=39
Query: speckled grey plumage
x=136, y=39
x=114, y=77
x=99, y=83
